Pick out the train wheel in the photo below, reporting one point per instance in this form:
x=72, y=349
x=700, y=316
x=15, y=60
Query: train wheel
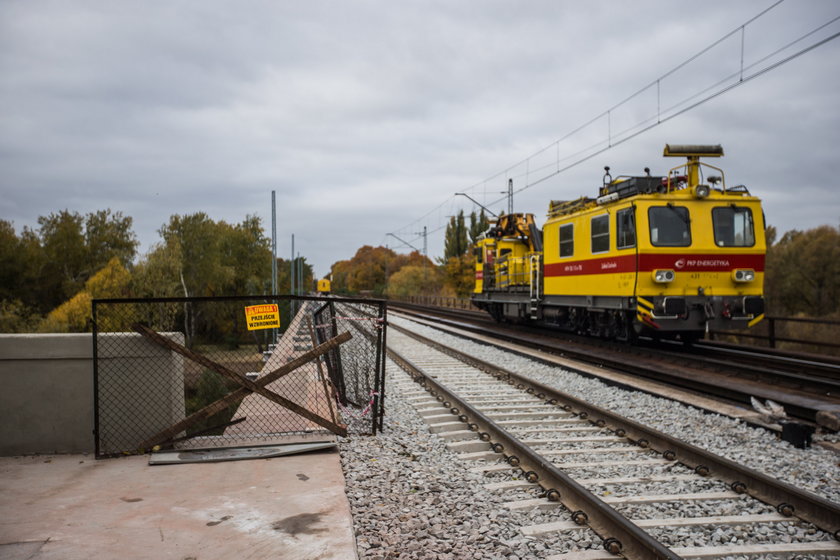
x=688, y=339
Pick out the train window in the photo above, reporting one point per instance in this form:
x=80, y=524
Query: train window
x=625, y=225
x=733, y=226
x=600, y=226
x=478, y=253
x=669, y=226
x=567, y=240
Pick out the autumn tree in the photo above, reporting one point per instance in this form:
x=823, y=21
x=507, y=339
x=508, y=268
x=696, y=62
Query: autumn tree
x=458, y=263
x=73, y=315
x=368, y=270
x=371, y=267
x=415, y=280
x=459, y=275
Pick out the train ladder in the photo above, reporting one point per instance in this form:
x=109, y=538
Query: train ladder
x=534, y=287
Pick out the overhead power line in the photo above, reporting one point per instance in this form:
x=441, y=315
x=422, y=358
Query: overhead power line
x=560, y=163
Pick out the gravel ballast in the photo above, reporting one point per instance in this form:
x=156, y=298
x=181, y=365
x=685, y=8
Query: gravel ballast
x=412, y=498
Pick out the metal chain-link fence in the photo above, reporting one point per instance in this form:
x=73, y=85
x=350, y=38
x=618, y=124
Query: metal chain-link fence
x=189, y=373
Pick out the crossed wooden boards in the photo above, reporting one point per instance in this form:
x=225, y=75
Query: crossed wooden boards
x=246, y=386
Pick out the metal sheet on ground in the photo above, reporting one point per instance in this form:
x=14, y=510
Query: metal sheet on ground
x=235, y=454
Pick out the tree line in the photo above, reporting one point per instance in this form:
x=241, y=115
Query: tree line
x=50, y=274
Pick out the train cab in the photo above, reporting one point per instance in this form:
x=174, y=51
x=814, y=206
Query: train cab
x=323, y=286
x=670, y=255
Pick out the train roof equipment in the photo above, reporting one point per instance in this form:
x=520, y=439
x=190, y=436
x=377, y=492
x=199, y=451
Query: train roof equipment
x=684, y=176
x=520, y=226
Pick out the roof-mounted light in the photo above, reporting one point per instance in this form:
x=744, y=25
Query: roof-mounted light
x=692, y=150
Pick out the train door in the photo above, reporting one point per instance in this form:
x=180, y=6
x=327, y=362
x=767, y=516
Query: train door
x=627, y=246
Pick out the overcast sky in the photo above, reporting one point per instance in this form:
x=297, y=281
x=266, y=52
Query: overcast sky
x=367, y=116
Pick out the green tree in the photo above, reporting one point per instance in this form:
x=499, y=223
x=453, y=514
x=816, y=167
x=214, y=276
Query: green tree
x=478, y=225
x=209, y=258
x=284, y=274
x=158, y=275
x=198, y=239
x=455, y=238
x=12, y=264
x=803, y=273
x=73, y=247
x=16, y=317
x=109, y=235
x=65, y=256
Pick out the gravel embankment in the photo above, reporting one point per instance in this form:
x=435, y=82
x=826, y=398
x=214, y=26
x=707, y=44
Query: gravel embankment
x=413, y=499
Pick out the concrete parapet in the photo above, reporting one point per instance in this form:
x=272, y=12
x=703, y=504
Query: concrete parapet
x=46, y=402
x=47, y=397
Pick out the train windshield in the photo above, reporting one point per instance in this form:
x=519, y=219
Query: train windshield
x=669, y=226
x=733, y=226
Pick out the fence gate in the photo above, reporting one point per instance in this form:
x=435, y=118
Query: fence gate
x=195, y=373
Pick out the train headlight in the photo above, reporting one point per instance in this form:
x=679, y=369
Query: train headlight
x=701, y=191
x=743, y=275
x=663, y=276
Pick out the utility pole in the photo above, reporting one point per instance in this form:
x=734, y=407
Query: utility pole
x=273, y=255
x=510, y=196
x=425, y=242
x=292, y=277
x=425, y=251
x=273, y=244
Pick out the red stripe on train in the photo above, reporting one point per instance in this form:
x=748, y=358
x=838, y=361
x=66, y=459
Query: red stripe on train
x=649, y=261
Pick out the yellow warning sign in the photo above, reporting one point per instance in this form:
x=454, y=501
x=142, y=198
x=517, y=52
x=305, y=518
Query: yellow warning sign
x=266, y=316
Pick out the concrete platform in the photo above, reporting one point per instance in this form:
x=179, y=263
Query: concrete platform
x=72, y=507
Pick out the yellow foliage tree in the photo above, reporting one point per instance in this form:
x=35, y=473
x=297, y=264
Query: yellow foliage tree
x=415, y=280
x=73, y=315
x=459, y=274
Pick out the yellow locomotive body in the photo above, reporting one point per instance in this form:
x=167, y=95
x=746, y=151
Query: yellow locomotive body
x=667, y=256
x=323, y=286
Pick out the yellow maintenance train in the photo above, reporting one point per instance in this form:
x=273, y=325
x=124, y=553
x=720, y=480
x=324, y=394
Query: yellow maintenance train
x=667, y=256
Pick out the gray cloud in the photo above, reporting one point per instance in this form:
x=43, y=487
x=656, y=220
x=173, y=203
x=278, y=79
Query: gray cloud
x=367, y=116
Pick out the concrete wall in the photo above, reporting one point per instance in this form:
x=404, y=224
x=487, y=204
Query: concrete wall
x=47, y=395
x=141, y=389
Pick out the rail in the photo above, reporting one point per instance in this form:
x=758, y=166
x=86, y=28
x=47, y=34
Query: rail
x=774, y=330
x=819, y=334
x=618, y=533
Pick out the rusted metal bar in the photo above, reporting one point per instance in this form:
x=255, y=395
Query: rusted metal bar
x=247, y=386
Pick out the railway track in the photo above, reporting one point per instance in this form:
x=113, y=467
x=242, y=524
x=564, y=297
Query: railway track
x=808, y=390
x=576, y=466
